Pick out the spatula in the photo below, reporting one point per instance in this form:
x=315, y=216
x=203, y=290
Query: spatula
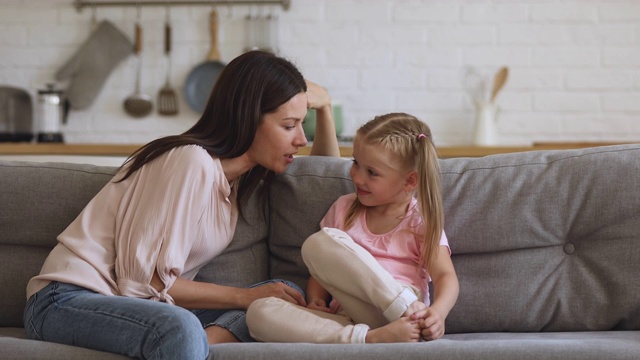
x=498, y=82
x=167, y=98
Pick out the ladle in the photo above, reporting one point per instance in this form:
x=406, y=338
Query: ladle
x=138, y=104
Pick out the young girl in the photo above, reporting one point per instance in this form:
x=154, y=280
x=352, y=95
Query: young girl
x=377, y=250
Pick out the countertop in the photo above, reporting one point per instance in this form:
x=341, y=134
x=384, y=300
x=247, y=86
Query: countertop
x=345, y=150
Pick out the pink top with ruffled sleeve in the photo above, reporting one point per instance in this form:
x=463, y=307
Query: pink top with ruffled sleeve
x=398, y=251
x=174, y=214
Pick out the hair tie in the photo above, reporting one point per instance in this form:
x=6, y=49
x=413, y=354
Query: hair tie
x=420, y=136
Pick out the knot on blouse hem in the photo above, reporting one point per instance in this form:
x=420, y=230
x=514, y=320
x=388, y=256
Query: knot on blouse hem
x=136, y=289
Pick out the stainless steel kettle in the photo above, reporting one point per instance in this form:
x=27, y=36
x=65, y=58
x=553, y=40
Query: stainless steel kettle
x=52, y=109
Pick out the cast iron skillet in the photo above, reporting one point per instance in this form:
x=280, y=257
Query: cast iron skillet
x=201, y=79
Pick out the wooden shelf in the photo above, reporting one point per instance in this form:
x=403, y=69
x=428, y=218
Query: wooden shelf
x=67, y=149
x=479, y=151
x=345, y=150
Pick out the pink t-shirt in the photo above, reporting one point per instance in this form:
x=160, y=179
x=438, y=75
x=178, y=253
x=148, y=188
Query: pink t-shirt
x=174, y=214
x=398, y=251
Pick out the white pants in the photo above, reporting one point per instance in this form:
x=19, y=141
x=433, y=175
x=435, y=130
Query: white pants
x=367, y=293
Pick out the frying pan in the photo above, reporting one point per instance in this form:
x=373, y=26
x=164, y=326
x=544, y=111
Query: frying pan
x=201, y=79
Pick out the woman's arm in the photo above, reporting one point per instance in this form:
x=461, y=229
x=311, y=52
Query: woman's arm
x=202, y=295
x=445, y=294
x=325, y=141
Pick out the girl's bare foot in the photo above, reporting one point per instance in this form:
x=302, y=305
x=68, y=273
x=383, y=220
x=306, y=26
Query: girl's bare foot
x=401, y=330
x=414, y=307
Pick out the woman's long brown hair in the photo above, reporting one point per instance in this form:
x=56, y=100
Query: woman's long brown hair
x=252, y=85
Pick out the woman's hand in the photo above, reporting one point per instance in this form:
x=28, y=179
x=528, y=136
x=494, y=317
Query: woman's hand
x=317, y=96
x=325, y=141
x=279, y=290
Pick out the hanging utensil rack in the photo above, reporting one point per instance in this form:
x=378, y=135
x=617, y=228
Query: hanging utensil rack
x=80, y=4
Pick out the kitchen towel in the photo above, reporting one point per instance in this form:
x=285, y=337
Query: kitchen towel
x=90, y=66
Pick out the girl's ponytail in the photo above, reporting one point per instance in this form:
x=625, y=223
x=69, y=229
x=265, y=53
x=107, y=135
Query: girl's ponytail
x=429, y=195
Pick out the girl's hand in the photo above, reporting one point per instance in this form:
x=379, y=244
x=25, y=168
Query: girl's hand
x=334, y=306
x=279, y=290
x=445, y=294
x=321, y=305
x=318, y=304
x=431, y=323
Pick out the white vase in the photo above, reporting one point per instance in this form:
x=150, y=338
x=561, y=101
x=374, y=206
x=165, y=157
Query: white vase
x=485, y=124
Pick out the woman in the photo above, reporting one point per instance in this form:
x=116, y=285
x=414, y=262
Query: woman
x=171, y=208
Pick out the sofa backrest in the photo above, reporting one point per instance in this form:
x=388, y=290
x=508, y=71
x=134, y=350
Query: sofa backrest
x=541, y=241
x=37, y=202
x=246, y=260
x=547, y=241
x=299, y=198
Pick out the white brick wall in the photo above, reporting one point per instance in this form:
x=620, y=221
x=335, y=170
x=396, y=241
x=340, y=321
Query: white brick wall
x=575, y=64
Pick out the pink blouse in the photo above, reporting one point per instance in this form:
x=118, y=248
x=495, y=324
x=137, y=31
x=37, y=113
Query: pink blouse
x=397, y=251
x=174, y=214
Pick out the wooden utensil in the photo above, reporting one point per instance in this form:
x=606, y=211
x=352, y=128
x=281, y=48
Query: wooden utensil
x=138, y=105
x=498, y=82
x=167, y=98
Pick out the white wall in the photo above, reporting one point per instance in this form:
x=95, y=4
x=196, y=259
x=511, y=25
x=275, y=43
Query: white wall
x=575, y=65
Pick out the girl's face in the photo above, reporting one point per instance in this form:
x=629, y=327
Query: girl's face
x=378, y=175
x=280, y=135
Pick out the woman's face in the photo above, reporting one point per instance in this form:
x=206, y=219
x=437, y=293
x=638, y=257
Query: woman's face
x=280, y=135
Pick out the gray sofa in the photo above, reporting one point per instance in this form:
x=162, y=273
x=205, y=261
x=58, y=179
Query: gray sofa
x=546, y=246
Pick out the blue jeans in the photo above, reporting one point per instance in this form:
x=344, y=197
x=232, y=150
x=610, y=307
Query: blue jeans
x=138, y=328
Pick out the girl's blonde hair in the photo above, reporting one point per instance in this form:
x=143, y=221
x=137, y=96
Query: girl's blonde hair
x=411, y=141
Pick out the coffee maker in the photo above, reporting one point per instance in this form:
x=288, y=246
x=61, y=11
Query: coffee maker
x=52, y=109
x=16, y=115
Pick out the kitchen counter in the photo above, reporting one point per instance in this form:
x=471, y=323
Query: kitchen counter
x=122, y=150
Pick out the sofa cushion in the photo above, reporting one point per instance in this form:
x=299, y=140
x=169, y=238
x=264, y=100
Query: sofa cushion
x=246, y=260
x=565, y=346
x=15, y=345
x=299, y=198
x=545, y=241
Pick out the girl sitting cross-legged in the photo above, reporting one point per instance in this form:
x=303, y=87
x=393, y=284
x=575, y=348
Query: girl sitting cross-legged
x=378, y=248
